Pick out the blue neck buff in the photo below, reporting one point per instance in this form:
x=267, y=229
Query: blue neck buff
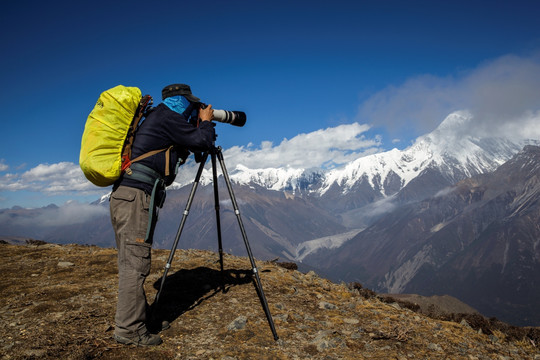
x=177, y=103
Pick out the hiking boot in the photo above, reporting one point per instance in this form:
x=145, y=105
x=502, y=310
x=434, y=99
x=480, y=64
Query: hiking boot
x=146, y=339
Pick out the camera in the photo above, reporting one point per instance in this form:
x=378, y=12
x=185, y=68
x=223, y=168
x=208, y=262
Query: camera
x=236, y=118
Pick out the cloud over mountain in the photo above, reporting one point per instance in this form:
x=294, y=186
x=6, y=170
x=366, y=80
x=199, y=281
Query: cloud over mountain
x=326, y=147
x=71, y=213
x=48, y=178
x=501, y=94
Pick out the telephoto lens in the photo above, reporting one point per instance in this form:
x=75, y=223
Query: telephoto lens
x=236, y=118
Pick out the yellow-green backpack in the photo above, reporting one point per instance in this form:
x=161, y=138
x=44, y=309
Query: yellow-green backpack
x=109, y=133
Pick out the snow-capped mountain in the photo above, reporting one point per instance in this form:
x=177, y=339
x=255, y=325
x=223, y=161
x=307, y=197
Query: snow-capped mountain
x=277, y=178
x=449, y=149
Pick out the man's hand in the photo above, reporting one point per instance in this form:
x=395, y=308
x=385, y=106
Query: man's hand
x=206, y=114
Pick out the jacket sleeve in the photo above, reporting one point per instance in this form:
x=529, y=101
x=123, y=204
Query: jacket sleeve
x=184, y=134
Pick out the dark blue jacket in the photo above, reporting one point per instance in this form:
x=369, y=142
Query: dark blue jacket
x=161, y=129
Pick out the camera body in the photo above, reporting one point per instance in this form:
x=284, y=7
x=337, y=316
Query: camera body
x=236, y=118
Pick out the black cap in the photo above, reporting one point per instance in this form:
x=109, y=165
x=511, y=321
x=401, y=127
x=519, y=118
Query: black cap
x=179, y=89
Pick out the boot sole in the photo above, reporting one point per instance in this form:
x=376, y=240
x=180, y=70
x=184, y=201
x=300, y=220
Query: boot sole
x=127, y=341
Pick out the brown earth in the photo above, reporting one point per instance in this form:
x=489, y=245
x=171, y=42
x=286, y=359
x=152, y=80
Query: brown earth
x=58, y=302
x=435, y=305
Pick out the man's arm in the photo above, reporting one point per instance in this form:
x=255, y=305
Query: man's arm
x=193, y=138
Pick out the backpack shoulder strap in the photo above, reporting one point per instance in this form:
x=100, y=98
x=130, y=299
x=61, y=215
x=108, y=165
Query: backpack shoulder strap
x=144, y=104
x=146, y=101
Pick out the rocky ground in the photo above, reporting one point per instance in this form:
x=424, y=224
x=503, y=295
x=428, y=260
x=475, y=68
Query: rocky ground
x=59, y=302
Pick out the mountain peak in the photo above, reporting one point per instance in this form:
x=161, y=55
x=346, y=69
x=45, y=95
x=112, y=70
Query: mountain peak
x=457, y=120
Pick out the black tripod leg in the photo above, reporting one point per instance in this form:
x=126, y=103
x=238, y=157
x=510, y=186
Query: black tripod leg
x=218, y=220
x=181, y=227
x=248, y=248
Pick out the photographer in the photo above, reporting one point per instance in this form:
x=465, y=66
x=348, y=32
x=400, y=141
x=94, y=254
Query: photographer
x=170, y=131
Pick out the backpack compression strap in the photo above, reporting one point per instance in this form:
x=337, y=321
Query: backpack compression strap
x=148, y=154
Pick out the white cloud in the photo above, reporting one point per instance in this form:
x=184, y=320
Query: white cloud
x=445, y=191
x=501, y=94
x=3, y=166
x=322, y=148
x=50, y=179
x=328, y=147
x=71, y=213
x=380, y=207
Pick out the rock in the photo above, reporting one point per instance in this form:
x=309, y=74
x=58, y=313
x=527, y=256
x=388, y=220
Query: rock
x=35, y=353
x=323, y=342
x=238, y=324
x=65, y=264
x=493, y=338
x=435, y=347
x=327, y=306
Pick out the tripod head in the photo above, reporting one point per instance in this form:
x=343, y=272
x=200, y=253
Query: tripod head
x=200, y=156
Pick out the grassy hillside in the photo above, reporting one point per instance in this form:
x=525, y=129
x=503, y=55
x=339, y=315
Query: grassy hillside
x=58, y=301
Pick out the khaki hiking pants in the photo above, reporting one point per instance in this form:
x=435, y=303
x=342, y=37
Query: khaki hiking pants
x=129, y=216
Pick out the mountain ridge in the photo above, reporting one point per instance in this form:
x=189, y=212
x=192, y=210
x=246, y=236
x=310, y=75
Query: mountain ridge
x=481, y=231
x=446, y=148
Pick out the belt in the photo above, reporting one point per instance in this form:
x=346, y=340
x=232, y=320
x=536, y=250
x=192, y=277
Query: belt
x=143, y=174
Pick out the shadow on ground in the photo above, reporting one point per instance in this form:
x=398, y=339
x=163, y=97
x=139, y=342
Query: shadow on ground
x=188, y=288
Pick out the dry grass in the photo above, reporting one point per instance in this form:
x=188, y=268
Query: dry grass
x=53, y=310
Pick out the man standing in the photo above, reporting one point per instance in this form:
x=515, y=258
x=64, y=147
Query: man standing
x=165, y=138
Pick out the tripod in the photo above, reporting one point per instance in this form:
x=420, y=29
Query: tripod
x=215, y=152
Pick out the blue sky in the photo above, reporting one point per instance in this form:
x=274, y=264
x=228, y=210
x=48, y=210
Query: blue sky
x=295, y=67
